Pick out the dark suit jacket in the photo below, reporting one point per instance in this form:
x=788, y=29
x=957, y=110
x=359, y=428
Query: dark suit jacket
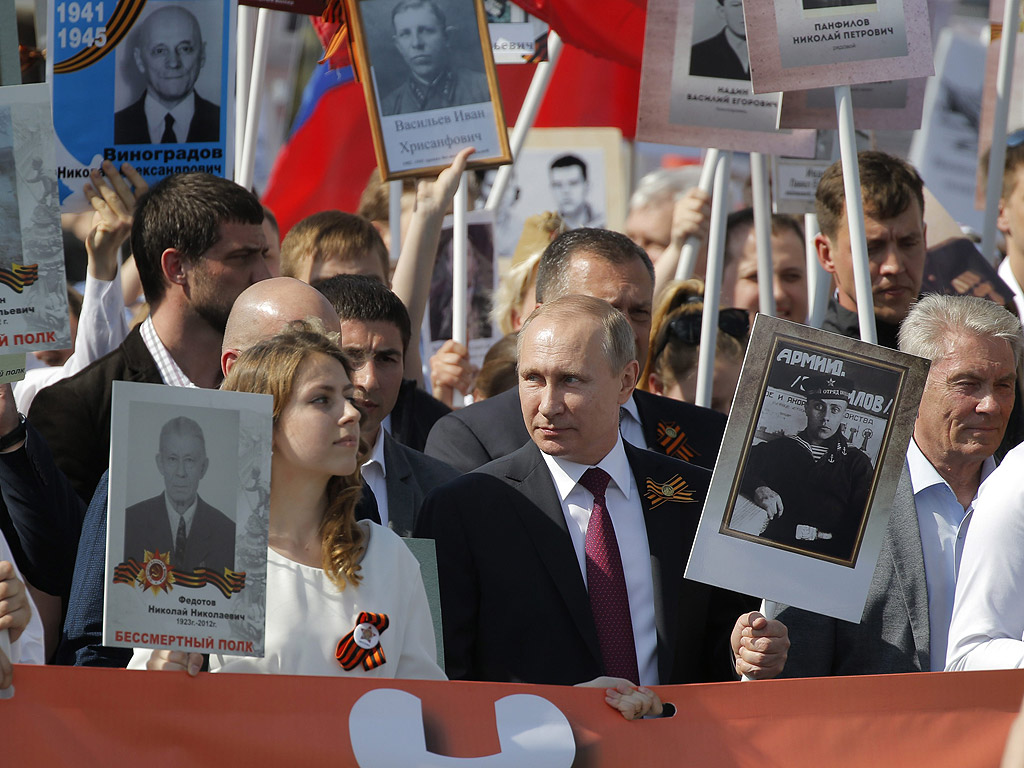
x=211, y=537
x=131, y=127
x=470, y=437
x=415, y=412
x=513, y=601
x=893, y=635
x=410, y=477
x=73, y=415
x=714, y=57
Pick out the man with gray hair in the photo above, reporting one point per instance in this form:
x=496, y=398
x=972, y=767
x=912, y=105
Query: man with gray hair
x=975, y=347
x=564, y=560
x=177, y=521
x=665, y=208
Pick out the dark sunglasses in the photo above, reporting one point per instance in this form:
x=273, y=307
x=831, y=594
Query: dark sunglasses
x=686, y=328
x=1016, y=138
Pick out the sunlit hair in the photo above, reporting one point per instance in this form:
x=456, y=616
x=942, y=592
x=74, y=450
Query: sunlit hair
x=511, y=291
x=617, y=341
x=936, y=320
x=671, y=358
x=888, y=185
x=331, y=236
x=270, y=367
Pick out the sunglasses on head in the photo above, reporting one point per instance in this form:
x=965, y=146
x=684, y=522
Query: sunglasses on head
x=686, y=328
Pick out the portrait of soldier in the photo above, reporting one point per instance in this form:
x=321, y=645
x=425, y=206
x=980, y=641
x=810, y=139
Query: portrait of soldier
x=169, y=53
x=813, y=485
x=177, y=520
x=724, y=54
x=434, y=81
x=567, y=177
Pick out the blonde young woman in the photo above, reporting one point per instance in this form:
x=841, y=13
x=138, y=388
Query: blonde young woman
x=331, y=581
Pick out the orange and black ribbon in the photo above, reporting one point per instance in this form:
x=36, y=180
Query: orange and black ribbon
x=229, y=583
x=125, y=15
x=19, y=276
x=351, y=655
x=672, y=490
x=672, y=440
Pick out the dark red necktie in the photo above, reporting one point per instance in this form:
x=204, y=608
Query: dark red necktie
x=606, y=585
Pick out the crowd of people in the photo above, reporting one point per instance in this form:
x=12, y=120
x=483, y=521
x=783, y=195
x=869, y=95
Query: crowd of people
x=537, y=495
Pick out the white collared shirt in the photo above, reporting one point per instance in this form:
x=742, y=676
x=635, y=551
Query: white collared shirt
x=943, y=523
x=627, y=516
x=1006, y=272
x=170, y=373
x=156, y=114
x=174, y=516
x=375, y=475
x=630, y=428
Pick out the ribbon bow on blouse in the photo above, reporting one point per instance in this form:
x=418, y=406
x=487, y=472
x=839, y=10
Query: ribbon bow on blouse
x=362, y=645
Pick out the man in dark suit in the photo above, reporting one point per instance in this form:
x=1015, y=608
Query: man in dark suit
x=375, y=333
x=608, y=265
x=725, y=54
x=198, y=243
x=554, y=573
x=178, y=521
x=975, y=347
x=169, y=52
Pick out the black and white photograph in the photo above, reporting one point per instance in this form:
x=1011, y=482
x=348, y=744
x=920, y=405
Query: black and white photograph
x=724, y=53
x=168, y=85
x=818, y=432
x=820, y=5
x=188, y=513
x=432, y=88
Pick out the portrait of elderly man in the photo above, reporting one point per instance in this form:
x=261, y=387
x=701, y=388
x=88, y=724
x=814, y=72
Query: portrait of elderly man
x=724, y=54
x=177, y=520
x=434, y=81
x=169, y=52
x=814, y=485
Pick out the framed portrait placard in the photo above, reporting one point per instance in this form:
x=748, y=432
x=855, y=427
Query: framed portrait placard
x=149, y=83
x=894, y=105
x=699, y=95
x=430, y=84
x=803, y=44
x=813, y=451
x=187, y=519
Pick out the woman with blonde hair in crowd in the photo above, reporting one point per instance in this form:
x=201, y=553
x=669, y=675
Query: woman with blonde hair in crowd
x=516, y=296
x=671, y=369
x=328, y=575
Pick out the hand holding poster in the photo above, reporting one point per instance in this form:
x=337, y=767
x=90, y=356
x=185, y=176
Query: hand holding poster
x=818, y=431
x=151, y=83
x=187, y=520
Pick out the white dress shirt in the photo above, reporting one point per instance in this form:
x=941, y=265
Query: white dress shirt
x=630, y=428
x=627, y=516
x=156, y=114
x=170, y=373
x=174, y=516
x=375, y=475
x=987, y=629
x=943, y=523
x=1007, y=274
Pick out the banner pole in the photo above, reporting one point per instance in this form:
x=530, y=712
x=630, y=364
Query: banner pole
x=246, y=28
x=460, y=315
x=252, y=116
x=855, y=214
x=763, y=232
x=818, y=280
x=688, y=253
x=713, y=281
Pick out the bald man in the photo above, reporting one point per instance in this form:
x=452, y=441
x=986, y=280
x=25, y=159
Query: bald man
x=169, y=53
x=260, y=311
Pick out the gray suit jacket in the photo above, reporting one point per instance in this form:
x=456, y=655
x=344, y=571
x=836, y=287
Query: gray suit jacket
x=410, y=477
x=893, y=635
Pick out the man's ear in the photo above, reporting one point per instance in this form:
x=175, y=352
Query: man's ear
x=173, y=267
x=655, y=385
x=137, y=55
x=227, y=359
x=826, y=251
x=630, y=376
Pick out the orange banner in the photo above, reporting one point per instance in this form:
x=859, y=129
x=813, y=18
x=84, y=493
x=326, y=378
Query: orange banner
x=85, y=717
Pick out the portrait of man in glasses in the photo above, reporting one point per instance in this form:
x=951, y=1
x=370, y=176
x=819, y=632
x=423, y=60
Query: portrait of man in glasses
x=724, y=54
x=813, y=485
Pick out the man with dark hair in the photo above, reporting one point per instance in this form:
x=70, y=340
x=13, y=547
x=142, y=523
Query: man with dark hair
x=1011, y=221
x=567, y=175
x=789, y=266
x=170, y=53
x=198, y=243
x=893, y=196
x=724, y=55
x=421, y=35
x=375, y=334
x=557, y=563
x=609, y=266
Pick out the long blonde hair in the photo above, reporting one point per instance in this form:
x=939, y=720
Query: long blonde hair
x=269, y=367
